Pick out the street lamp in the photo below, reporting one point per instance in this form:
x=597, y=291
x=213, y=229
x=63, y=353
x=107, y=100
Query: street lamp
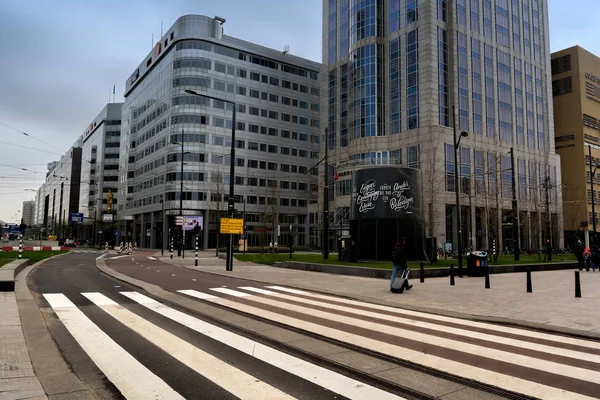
x=183, y=153
x=231, y=201
x=456, y=190
x=162, y=230
x=592, y=173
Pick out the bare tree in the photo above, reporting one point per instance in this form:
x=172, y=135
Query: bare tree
x=217, y=205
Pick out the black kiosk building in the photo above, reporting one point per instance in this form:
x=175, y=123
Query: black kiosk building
x=386, y=205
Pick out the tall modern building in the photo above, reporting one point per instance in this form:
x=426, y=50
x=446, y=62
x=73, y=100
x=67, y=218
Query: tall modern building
x=100, y=172
x=576, y=91
x=277, y=99
x=396, y=75
x=28, y=212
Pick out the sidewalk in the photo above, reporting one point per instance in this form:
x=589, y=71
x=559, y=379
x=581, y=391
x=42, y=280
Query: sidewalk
x=552, y=305
x=17, y=379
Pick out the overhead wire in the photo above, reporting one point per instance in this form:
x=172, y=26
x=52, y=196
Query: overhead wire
x=30, y=136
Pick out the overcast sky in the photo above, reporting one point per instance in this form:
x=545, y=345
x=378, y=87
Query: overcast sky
x=60, y=59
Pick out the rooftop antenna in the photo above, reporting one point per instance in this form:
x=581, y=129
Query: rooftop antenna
x=286, y=49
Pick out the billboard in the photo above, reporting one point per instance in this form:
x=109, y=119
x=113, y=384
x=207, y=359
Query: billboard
x=386, y=192
x=189, y=222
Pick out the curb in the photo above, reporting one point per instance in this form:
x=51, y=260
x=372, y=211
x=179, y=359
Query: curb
x=471, y=317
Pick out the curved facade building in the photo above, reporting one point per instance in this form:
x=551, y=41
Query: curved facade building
x=277, y=98
x=398, y=73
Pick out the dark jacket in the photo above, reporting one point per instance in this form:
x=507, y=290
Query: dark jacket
x=399, y=256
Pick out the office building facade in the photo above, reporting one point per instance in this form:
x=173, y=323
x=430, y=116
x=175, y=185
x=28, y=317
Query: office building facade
x=277, y=135
x=397, y=74
x=28, y=212
x=576, y=94
x=101, y=142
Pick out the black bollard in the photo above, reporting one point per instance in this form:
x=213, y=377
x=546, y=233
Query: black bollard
x=451, y=274
x=460, y=271
x=422, y=274
x=529, y=288
x=577, y=285
x=487, y=277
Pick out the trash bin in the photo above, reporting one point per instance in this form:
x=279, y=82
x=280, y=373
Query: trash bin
x=476, y=263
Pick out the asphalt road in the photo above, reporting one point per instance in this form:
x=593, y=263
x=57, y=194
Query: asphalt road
x=108, y=333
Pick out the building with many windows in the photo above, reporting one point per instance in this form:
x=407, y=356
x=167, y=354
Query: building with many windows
x=100, y=172
x=396, y=75
x=28, y=212
x=277, y=99
x=576, y=91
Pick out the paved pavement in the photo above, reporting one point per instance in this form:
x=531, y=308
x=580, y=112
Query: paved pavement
x=17, y=378
x=552, y=305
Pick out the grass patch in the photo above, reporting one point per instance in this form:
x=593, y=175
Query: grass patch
x=33, y=256
x=270, y=259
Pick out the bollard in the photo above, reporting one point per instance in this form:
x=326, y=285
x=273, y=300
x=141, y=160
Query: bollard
x=171, y=248
x=577, y=285
x=460, y=271
x=451, y=274
x=487, y=277
x=422, y=274
x=529, y=288
x=196, y=260
x=20, y=246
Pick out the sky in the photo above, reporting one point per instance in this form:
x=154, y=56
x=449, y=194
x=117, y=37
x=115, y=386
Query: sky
x=60, y=60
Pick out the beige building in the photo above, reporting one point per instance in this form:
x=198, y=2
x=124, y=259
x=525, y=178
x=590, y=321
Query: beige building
x=576, y=93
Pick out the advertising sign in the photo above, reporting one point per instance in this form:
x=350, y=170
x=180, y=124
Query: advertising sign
x=189, y=222
x=232, y=225
x=107, y=217
x=385, y=192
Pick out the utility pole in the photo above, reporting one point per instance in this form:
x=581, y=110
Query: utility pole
x=326, y=201
x=592, y=174
x=181, y=231
x=515, y=210
x=548, y=230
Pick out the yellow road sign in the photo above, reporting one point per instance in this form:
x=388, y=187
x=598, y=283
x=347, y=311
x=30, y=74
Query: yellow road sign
x=232, y=226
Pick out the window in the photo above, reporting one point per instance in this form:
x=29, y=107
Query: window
x=272, y=148
x=241, y=73
x=286, y=84
x=273, y=114
x=285, y=150
x=254, y=76
x=285, y=134
x=274, y=98
x=273, y=81
x=284, y=184
x=272, y=131
x=254, y=111
x=241, y=90
x=252, y=163
x=253, y=146
x=263, y=147
x=219, y=67
x=272, y=166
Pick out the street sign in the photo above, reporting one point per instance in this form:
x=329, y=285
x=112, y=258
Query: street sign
x=76, y=217
x=107, y=218
x=179, y=220
x=232, y=225
x=117, y=233
x=231, y=204
x=148, y=232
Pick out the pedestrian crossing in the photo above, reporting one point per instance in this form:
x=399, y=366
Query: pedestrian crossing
x=85, y=251
x=537, y=364
x=227, y=373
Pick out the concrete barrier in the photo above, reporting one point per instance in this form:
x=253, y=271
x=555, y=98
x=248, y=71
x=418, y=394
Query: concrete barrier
x=415, y=272
x=8, y=273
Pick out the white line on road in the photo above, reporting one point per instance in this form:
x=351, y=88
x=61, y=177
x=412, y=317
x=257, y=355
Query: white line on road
x=234, y=380
x=152, y=258
x=231, y=292
x=198, y=295
x=323, y=377
x=124, y=371
x=117, y=257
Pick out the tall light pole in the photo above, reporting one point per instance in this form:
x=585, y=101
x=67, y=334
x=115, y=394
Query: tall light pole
x=162, y=230
x=456, y=190
x=514, y=207
x=183, y=153
x=326, y=200
x=245, y=242
x=592, y=174
x=231, y=200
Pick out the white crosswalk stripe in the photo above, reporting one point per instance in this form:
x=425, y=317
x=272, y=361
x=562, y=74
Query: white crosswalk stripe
x=119, y=366
x=553, y=367
x=126, y=372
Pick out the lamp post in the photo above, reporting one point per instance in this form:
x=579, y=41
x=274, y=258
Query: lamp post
x=183, y=153
x=592, y=174
x=456, y=190
x=245, y=242
x=162, y=229
x=231, y=200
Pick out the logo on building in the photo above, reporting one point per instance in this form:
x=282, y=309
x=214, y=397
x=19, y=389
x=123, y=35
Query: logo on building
x=399, y=201
x=367, y=197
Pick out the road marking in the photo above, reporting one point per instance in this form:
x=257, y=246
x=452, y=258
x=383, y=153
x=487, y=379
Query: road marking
x=479, y=350
x=403, y=313
x=258, y=290
x=428, y=325
x=447, y=365
x=193, y=279
x=101, y=256
x=330, y=380
x=231, y=292
x=117, y=257
x=124, y=371
x=198, y=295
x=152, y=258
x=234, y=380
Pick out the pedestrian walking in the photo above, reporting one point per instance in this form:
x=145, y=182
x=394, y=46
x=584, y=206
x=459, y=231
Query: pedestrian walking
x=400, y=265
x=275, y=246
x=270, y=247
x=595, y=258
x=587, y=257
